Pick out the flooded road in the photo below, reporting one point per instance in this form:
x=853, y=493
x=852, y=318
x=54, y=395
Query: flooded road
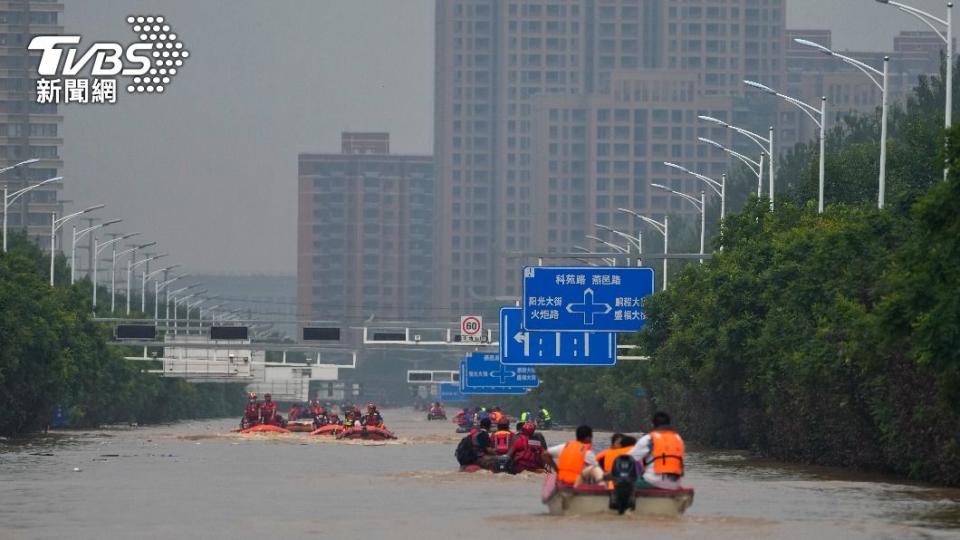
x=198, y=480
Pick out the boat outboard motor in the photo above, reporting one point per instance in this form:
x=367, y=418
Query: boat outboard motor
x=624, y=476
x=503, y=465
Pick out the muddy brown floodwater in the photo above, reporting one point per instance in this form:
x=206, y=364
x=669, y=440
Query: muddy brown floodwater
x=199, y=480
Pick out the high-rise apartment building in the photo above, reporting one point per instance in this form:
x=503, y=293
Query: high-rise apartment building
x=364, y=232
x=28, y=129
x=497, y=59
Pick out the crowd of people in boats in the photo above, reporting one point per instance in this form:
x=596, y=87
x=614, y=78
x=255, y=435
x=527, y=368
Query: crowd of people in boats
x=467, y=417
x=265, y=413
x=491, y=444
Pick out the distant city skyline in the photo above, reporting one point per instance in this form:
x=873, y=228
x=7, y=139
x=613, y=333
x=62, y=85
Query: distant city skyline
x=222, y=195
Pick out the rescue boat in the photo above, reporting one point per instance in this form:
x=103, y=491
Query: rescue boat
x=367, y=433
x=567, y=500
x=264, y=428
x=329, y=429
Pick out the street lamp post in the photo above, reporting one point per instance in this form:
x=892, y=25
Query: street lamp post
x=143, y=284
x=947, y=36
x=700, y=205
x=810, y=111
x=176, y=302
x=9, y=198
x=879, y=79
x=752, y=164
x=765, y=144
x=635, y=241
x=720, y=188
x=157, y=287
x=190, y=306
x=609, y=261
x=56, y=225
x=618, y=249
x=97, y=248
x=77, y=236
x=663, y=228
x=168, y=293
x=130, y=266
x=113, y=283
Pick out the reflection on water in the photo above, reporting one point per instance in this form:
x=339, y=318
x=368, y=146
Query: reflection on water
x=199, y=479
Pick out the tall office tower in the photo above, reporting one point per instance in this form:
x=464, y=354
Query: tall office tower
x=364, y=244
x=495, y=58
x=28, y=129
x=597, y=153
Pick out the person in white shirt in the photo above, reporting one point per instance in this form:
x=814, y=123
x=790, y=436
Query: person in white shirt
x=661, y=452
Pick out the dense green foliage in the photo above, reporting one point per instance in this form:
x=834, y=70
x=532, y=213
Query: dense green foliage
x=830, y=339
x=52, y=354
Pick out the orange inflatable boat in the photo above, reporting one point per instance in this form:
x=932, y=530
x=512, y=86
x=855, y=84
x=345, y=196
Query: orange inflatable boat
x=265, y=428
x=329, y=429
x=367, y=433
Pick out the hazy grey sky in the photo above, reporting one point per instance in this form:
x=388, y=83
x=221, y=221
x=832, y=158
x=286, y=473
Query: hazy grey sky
x=209, y=168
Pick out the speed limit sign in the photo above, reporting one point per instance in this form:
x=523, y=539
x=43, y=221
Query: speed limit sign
x=471, y=325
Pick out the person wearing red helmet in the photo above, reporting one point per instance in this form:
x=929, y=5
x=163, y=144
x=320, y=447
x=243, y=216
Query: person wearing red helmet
x=251, y=414
x=528, y=451
x=268, y=411
x=372, y=418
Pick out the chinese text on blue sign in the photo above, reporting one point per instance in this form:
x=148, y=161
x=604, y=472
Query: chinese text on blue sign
x=577, y=299
x=552, y=348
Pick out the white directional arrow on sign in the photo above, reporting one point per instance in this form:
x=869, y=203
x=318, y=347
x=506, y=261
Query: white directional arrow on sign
x=588, y=308
x=523, y=337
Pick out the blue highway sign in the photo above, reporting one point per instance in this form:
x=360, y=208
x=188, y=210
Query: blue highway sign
x=511, y=390
x=578, y=299
x=485, y=369
x=552, y=348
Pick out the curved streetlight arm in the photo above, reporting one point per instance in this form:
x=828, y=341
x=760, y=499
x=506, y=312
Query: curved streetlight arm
x=134, y=248
x=871, y=72
x=611, y=245
x=22, y=163
x=181, y=289
x=633, y=240
x=762, y=142
x=714, y=185
x=83, y=232
x=177, y=301
x=58, y=223
x=101, y=246
x=753, y=164
x=20, y=192
x=690, y=199
x=158, y=270
x=810, y=110
x=148, y=259
x=660, y=227
x=164, y=284
x=927, y=18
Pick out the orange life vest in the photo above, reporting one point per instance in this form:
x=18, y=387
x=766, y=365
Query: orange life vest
x=666, y=454
x=609, y=456
x=501, y=442
x=571, y=461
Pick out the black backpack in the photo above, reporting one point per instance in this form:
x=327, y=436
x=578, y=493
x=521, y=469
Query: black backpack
x=466, y=452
